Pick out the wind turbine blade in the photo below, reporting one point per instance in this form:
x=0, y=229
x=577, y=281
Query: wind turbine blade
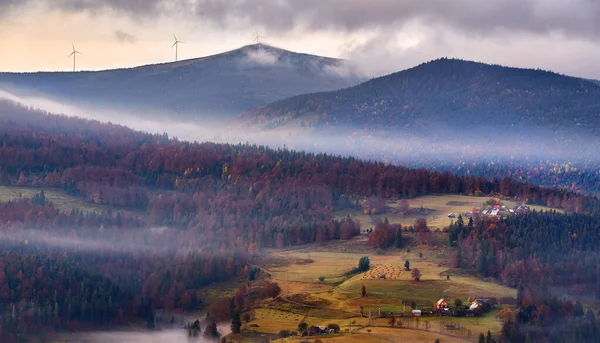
x=73, y=53
x=174, y=44
x=73, y=46
x=175, y=37
x=181, y=42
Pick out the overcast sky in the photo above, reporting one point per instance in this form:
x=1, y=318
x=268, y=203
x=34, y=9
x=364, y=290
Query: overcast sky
x=381, y=36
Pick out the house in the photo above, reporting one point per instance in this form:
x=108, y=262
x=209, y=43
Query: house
x=442, y=304
x=451, y=215
x=521, y=209
x=494, y=212
x=318, y=330
x=474, y=305
x=416, y=313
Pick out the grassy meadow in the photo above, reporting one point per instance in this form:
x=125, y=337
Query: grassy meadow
x=318, y=290
x=437, y=208
x=60, y=199
x=338, y=298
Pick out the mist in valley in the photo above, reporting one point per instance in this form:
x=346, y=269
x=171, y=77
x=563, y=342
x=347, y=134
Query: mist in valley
x=439, y=144
x=167, y=335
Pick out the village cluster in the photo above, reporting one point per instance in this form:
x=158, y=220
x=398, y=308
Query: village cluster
x=496, y=210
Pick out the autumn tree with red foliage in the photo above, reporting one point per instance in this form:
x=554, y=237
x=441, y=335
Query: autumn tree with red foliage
x=416, y=274
x=423, y=232
x=225, y=201
x=384, y=234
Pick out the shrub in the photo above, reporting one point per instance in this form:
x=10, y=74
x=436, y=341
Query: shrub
x=333, y=326
x=302, y=327
x=416, y=274
x=364, y=264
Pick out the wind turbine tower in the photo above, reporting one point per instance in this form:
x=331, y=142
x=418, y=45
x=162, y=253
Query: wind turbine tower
x=176, y=45
x=74, y=54
x=257, y=38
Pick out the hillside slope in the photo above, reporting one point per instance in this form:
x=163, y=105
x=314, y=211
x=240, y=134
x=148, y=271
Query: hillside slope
x=448, y=93
x=222, y=84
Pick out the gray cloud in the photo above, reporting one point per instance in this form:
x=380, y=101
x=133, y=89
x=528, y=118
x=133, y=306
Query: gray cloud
x=572, y=17
x=134, y=7
x=560, y=35
x=125, y=37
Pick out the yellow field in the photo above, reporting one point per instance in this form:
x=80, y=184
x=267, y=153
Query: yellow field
x=338, y=299
x=441, y=205
x=386, y=335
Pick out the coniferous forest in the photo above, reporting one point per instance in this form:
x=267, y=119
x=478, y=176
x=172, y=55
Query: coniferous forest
x=182, y=215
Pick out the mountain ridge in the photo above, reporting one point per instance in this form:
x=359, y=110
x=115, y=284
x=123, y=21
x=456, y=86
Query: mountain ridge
x=244, y=48
x=220, y=84
x=452, y=90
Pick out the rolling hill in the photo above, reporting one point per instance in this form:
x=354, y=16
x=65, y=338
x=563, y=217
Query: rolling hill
x=447, y=94
x=219, y=85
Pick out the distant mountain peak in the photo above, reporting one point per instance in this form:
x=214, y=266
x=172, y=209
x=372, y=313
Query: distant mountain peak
x=447, y=93
x=222, y=84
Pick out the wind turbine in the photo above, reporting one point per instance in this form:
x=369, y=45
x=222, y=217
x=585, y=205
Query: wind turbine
x=74, y=54
x=176, y=45
x=257, y=39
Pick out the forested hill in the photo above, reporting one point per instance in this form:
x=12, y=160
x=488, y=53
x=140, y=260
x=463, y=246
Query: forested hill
x=222, y=84
x=81, y=155
x=449, y=93
x=179, y=215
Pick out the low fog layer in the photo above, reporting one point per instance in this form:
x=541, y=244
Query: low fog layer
x=167, y=336
x=403, y=147
x=157, y=242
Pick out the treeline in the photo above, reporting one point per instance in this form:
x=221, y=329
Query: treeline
x=543, y=255
x=79, y=155
x=582, y=177
x=44, y=288
x=553, y=321
x=192, y=213
x=541, y=250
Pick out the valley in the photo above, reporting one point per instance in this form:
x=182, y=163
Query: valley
x=265, y=195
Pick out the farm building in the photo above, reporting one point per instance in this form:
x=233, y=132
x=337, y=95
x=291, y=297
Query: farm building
x=442, y=304
x=474, y=305
x=416, y=313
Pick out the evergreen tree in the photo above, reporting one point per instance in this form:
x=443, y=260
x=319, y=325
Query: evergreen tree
x=589, y=315
x=520, y=289
x=364, y=264
x=236, y=323
x=578, y=309
x=398, y=238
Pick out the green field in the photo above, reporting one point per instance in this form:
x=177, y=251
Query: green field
x=338, y=299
